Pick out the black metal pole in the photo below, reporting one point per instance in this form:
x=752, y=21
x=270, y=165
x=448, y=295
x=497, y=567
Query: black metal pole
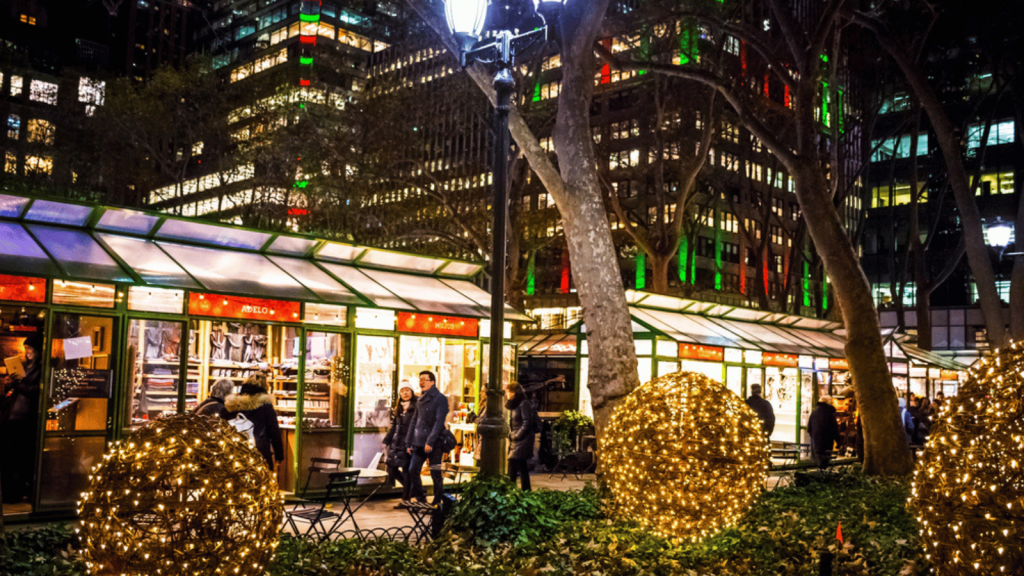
x=493, y=429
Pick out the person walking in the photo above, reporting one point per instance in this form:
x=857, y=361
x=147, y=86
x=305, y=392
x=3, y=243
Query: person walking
x=398, y=459
x=763, y=408
x=824, y=431
x=909, y=429
x=18, y=423
x=523, y=430
x=921, y=420
x=253, y=402
x=214, y=405
x=422, y=437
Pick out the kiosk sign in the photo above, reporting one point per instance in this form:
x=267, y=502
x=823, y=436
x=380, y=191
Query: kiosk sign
x=242, y=307
x=436, y=324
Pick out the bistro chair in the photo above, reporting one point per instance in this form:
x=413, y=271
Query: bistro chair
x=455, y=472
x=323, y=521
x=319, y=466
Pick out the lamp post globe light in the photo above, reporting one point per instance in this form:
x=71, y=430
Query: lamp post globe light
x=466, y=20
x=999, y=234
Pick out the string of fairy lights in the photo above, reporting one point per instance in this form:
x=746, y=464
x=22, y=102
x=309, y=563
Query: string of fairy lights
x=684, y=456
x=968, y=488
x=182, y=495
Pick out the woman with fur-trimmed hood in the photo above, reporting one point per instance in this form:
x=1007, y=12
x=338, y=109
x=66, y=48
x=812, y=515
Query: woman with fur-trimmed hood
x=254, y=403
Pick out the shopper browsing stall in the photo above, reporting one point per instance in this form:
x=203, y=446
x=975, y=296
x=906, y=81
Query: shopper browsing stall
x=398, y=458
x=253, y=402
x=523, y=429
x=214, y=405
x=763, y=408
x=824, y=430
x=423, y=435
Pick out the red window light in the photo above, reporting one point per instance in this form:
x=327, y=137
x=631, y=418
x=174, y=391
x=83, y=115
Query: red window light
x=307, y=40
x=565, y=273
x=298, y=212
x=766, y=76
x=303, y=82
x=606, y=70
x=786, y=97
x=22, y=288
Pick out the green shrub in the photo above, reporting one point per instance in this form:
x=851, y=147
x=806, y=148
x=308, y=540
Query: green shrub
x=48, y=551
x=566, y=428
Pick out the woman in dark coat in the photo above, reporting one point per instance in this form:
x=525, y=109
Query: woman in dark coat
x=214, y=404
x=523, y=429
x=402, y=417
x=254, y=403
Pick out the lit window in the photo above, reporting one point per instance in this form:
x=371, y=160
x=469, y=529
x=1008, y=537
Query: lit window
x=45, y=92
x=16, y=85
x=40, y=131
x=38, y=165
x=13, y=126
x=10, y=162
x=30, y=20
x=91, y=91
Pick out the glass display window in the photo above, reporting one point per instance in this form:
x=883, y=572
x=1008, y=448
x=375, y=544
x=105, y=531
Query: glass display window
x=375, y=381
x=806, y=400
x=667, y=368
x=154, y=351
x=734, y=380
x=234, y=350
x=712, y=370
x=780, y=388
x=508, y=365
x=81, y=372
x=22, y=288
x=326, y=380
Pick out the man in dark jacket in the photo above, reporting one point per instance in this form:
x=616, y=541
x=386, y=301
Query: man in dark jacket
x=523, y=429
x=253, y=401
x=763, y=408
x=427, y=424
x=824, y=430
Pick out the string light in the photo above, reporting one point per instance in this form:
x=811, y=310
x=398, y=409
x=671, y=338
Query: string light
x=968, y=488
x=684, y=456
x=182, y=495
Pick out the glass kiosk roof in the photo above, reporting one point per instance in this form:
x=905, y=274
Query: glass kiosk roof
x=74, y=241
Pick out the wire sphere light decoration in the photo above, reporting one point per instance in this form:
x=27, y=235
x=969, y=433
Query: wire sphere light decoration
x=968, y=487
x=684, y=456
x=182, y=495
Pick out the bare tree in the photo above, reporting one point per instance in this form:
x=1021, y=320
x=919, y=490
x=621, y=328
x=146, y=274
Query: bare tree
x=791, y=50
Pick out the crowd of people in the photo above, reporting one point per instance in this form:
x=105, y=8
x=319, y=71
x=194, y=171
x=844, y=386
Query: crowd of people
x=828, y=436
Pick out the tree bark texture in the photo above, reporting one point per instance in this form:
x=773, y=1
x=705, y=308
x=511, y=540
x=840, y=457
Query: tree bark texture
x=613, y=365
x=577, y=194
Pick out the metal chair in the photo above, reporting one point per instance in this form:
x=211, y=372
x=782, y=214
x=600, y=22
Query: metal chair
x=455, y=472
x=340, y=488
x=319, y=466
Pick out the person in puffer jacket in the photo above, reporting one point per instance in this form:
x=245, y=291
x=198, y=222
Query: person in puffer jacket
x=254, y=403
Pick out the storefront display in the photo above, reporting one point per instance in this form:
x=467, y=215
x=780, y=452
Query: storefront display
x=781, y=387
x=141, y=314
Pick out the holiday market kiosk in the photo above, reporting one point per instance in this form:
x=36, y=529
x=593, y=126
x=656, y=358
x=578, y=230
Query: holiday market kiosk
x=795, y=359
x=143, y=313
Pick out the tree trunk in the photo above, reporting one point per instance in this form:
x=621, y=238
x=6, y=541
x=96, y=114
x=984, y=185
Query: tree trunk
x=577, y=194
x=660, y=264
x=613, y=365
x=970, y=217
x=886, y=452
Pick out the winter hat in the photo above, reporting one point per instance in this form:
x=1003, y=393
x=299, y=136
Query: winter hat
x=34, y=340
x=405, y=384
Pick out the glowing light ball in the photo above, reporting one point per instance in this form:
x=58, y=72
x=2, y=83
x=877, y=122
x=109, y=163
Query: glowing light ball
x=684, y=456
x=183, y=495
x=968, y=488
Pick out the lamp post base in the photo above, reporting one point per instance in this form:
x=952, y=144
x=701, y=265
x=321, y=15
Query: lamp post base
x=493, y=433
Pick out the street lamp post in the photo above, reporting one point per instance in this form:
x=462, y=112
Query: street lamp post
x=466, y=22
x=999, y=237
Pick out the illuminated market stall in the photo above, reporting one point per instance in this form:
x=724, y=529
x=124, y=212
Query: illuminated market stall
x=795, y=359
x=142, y=313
